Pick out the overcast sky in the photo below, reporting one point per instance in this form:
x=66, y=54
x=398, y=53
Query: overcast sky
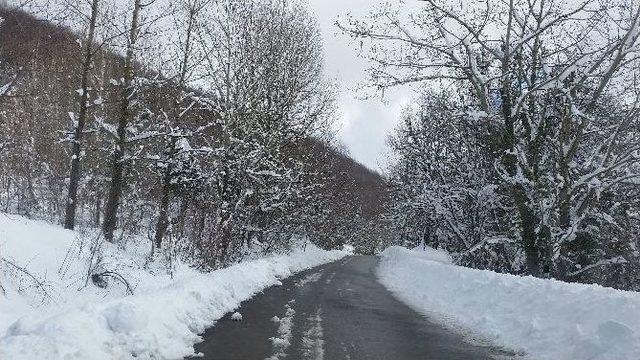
x=363, y=124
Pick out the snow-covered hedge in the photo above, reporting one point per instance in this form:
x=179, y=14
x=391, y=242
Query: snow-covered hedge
x=161, y=321
x=546, y=319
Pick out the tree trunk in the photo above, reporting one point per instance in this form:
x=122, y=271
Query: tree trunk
x=223, y=238
x=115, y=191
x=74, y=178
x=98, y=208
x=118, y=160
x=181, y=217
x=528, y=219
x=529, y=223
x=163, y=216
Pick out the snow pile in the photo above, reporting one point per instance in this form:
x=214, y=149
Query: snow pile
x=161, y=321
x=236, y=316
x=424, y=253
x=282, y=342
x=546, y=319
x=350, y=249
x=312, y=339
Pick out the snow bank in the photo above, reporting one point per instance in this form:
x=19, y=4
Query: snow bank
x=424, y=253
x=546, y=319
x=161, y=321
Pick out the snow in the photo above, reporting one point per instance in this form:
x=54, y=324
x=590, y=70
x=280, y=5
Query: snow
x=4, y=89
x=312, y=340
x=236, y=316
x=349, y=249
x=429, y=253
x=64, y=319
x=282, y=342
x=311, y=278
x=545, y=319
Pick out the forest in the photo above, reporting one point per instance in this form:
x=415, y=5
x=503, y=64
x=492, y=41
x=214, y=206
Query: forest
x=521, y=152
x=320, y=179
x=204, y=127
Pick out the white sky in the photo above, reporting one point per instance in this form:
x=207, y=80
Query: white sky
x=363, y=124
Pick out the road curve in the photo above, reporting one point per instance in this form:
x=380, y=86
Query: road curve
x=335, y=311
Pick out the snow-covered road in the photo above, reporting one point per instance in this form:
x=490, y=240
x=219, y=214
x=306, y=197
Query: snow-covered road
x=334, y=311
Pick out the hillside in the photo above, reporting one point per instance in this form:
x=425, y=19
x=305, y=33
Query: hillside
x=42, y=63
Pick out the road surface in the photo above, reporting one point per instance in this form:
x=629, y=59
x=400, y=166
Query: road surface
x=335, y=311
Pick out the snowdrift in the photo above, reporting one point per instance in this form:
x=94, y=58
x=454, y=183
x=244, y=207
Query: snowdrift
x=545, y=319
x=66, y=320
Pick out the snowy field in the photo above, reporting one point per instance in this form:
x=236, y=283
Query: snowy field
x=54, y=315
x=545, y=319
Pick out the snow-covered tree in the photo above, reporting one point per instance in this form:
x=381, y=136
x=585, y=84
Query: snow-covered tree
x=206, y=128
x=176, y=162
x=127, y=117
x=80, y=119
x=264, y=67
x=553, y=82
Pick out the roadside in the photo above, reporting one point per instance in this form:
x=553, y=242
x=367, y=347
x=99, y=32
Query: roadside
x=544, y=318
x=47, y=311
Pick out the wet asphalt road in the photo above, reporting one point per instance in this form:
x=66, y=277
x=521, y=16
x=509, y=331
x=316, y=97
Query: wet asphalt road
x=335, y=311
